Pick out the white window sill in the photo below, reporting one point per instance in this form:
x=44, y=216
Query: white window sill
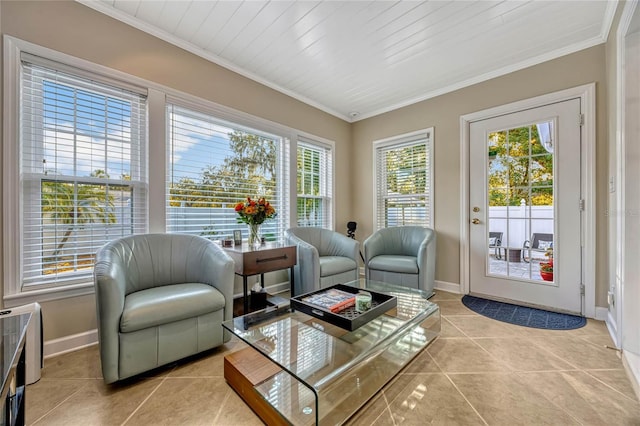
x=47, y=294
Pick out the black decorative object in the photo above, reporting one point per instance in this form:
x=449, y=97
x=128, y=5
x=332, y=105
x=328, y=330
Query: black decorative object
x=351, y=229
x=351, y=233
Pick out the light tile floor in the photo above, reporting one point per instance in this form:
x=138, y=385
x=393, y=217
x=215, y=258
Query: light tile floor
x=478, y=372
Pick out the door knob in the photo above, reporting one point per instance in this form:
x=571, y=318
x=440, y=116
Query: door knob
x=475, y=221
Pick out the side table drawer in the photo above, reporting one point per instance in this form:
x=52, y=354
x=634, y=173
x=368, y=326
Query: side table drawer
x=261, y=261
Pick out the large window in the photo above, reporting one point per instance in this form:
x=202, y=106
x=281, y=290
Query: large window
x=213, y=165
x=82, y=180
x=404, y=180
x=91, y=154
x=314, y=184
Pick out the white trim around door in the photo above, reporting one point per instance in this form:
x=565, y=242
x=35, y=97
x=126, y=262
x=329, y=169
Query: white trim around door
x=587, y=95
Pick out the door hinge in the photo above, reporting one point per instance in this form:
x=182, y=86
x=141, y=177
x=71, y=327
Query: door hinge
x=581, y=289
x=580, y=120
x=581, y=204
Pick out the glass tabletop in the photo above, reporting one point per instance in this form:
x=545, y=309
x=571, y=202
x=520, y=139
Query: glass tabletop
x=14, y=329
x=319, y=354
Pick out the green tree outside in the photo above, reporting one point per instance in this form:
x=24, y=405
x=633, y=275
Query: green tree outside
x=249, y=170
x=73, y=205
x=520, y=168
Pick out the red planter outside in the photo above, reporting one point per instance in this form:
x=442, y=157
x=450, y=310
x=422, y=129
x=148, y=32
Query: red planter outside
x=547, y=276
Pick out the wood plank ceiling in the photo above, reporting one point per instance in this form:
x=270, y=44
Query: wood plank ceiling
x=356, y=59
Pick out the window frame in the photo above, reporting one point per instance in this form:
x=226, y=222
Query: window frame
x=158, y=96
x=399, y=142
x=39, y=74
x=326, y=179
x=252, y=126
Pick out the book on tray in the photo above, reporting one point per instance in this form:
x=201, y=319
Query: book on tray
x=333, y=300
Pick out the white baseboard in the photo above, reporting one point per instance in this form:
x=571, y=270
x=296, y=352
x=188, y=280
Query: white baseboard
x=631, y=364
x=601, y=313
x=446, y=286
x=612, y=327
x=70, y=343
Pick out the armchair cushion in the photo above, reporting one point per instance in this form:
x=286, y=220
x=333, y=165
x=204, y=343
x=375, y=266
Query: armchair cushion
x=332, y=265
x=395, y=263
x=170, y=303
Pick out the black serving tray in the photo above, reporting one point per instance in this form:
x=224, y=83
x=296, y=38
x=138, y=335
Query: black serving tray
x=349, y=319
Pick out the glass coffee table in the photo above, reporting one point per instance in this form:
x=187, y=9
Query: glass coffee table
x=302, y=370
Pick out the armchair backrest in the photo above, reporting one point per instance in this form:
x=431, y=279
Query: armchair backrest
x=153, y=260
x=403, y=240
x=326, y=241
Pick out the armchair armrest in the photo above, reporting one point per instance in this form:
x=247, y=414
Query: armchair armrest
x=110, y=285
x=373, y=246
x=307, y=255
x=216, y=268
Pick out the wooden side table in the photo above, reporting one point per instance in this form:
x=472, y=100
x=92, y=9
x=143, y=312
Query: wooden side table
x=266, y=258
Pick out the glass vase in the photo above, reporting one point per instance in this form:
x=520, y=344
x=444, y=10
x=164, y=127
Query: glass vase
x=254, y=235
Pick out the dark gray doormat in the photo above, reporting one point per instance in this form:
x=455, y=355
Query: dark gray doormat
x=522, y=315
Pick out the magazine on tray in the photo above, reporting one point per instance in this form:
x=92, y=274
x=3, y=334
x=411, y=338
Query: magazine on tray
x=333, y=300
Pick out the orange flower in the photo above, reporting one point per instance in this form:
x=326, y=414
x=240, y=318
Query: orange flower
x=254, y=211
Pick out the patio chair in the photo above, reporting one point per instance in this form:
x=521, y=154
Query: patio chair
x=495, y=242
x=539, y=243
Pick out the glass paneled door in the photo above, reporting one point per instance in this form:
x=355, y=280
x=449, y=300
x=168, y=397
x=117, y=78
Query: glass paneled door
x=525, y=207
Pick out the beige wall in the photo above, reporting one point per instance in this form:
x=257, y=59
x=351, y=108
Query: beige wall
x=74, y=29
x=77, y=30
x=443, y=113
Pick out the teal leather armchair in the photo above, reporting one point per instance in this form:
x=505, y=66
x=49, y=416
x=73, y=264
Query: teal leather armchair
x=325, y=258
x=404, y=255
x=160, y=298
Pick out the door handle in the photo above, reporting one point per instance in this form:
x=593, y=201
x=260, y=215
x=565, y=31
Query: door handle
x=475, y=221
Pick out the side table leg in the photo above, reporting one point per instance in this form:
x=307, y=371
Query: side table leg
x=292, y=283
x=245, y=296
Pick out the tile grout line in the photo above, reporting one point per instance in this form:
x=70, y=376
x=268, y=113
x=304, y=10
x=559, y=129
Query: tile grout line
x=553, y=402
x=64, y=400
x=466, y=399
x=609, y=386
x=222, y=405
x=143, y=401
x=388, y=408
x=553, y=354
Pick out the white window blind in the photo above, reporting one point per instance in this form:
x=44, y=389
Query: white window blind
x=83, y=175
x=314, y=184
x=404, y=180
x=213, y=165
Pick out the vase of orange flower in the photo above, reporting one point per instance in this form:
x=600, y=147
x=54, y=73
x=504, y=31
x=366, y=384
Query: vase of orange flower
x=254, y=212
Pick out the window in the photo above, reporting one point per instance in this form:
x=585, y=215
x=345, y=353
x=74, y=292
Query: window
x=314, y=184
x=214, y=164
x=77, y=175
x=404, y=180
x=82, y=175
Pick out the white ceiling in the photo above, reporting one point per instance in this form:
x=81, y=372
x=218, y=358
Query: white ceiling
x=356, y=59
